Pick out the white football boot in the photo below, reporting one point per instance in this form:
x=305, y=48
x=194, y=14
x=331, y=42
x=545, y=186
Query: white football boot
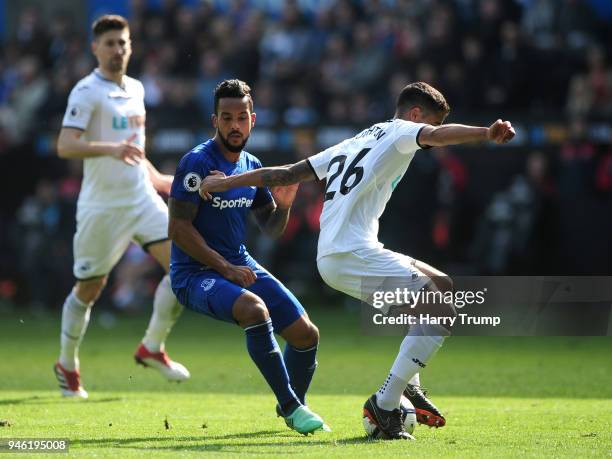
x=69, y=382
x=173, y=371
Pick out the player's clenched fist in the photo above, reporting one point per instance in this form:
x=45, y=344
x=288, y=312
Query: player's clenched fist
x=214, y=182
x=128, y=152
x=501, y=132
x=284, y=195
x=241, y=275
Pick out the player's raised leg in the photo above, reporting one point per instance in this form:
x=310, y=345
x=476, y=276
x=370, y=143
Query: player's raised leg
x=166, y=310
x=75, y=318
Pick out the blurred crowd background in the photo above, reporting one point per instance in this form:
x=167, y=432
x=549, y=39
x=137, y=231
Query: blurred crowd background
x=322, y=70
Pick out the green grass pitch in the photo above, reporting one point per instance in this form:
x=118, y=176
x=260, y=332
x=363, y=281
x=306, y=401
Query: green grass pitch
x=503, y=397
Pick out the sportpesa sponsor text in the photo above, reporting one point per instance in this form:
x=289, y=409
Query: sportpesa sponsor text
x=221, y=204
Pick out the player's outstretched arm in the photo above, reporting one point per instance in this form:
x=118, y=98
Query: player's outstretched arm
x=266, y=176
x=453, y=134
x=71, y=145
x=186, y=236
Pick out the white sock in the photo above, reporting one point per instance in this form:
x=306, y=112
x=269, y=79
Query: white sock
x=75, y=318
x=416, y=350
x=389, y=395
x=166, y=310
x=415, y=380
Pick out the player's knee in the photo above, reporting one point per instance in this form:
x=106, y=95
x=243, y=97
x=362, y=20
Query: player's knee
x=254, y=314
x=89, y=291
x=439, y=303
x=249, y=310
x=309, y=336
x=313, y=335
x=443, y=282
x=302, y=335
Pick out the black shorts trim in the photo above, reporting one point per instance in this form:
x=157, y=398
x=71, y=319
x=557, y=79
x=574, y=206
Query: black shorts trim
x=312, y=169
x=85, y=279
x=146, y=245
x=422, y=147
x=73, y=127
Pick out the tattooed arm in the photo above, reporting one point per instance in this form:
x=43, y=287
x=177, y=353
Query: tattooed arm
x=266, y=176
x=273, y=217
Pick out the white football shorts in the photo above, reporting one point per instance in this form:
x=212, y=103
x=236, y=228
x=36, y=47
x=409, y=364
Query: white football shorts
x=103, y=235
x=363, y=272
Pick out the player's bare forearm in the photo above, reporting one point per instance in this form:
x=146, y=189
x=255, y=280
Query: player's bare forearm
x=266, y=176
x=278, y=222
x=186, y=236
x=190, y=241
x=161, y=182
x=273, y=219
x=70, y=145
x=287, y=175
x=452, y=134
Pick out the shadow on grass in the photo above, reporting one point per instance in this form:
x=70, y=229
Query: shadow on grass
x=219, y=443
x=37, y=400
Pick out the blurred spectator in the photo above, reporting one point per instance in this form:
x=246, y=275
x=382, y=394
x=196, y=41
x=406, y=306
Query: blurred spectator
x=151, y=79
x=300, y=111
x=285, y=46
x=582, y=222
x=266, y=106
x=18, y=116
x=577, y=24
x=491, y=251
x=368, y=64
x=211, y=73
x=599, y=80
x=539, y=24
x=31, y=35
x=43, y=234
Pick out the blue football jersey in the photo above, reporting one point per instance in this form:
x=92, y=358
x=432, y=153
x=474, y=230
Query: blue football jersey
x=222, y=220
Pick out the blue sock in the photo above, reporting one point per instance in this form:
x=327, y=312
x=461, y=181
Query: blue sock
x=266, y=354
x=301, y=365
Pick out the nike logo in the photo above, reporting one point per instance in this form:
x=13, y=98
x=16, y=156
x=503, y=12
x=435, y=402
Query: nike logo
x=383, y=426
x=418, y=362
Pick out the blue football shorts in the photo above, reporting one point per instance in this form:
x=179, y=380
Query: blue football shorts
x=209, y=293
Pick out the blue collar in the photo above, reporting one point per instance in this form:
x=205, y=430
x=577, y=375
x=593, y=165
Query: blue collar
x=217, y=151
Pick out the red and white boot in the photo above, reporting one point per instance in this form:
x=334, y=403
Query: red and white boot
x=69, y=382
x=173, y=371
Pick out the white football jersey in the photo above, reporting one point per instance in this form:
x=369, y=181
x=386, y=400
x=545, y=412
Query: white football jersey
x=107, y=112
x=361, y=174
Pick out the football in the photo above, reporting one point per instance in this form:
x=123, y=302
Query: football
x=408, y=418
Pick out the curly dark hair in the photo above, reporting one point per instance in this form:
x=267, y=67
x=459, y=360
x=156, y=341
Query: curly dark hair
x=421, y=95
x=232, y=88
